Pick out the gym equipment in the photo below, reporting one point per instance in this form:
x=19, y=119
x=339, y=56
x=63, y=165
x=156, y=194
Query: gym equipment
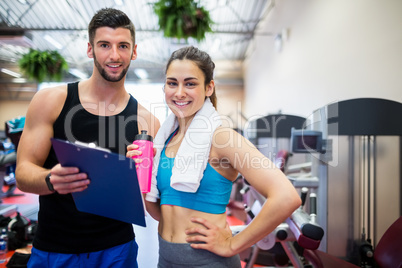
x=360, y=175
x=356, y=175
x=301, y=228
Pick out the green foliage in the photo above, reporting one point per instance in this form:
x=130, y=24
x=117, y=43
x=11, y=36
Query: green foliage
x=40, y=65
x=182, y=19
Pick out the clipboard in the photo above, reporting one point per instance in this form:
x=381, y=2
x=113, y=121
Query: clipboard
x=114, y=191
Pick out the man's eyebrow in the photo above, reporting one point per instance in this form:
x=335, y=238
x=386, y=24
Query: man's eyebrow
x=102, y=41
x=108, y=42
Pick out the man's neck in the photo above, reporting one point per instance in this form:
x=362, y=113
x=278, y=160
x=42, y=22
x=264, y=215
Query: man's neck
x=103, y=98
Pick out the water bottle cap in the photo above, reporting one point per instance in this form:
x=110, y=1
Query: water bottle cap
x=143, y=136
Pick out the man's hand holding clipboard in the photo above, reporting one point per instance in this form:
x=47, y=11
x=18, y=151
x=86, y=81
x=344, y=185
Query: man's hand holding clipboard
x=114, y=190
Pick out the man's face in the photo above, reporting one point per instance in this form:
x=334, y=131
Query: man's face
x=112, y=50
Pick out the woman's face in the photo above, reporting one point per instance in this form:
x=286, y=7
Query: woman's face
x=185, y=90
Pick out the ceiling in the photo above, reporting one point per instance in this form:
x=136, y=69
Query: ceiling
x=32, y=23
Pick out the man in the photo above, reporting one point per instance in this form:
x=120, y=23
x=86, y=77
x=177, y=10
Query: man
x=95, y=110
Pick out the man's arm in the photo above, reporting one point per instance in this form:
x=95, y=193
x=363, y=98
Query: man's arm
x=147, y=121
x=35, y=144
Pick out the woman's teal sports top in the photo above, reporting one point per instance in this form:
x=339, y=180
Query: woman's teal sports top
x=212, y=195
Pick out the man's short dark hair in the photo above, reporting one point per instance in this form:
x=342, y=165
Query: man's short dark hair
x=110, y=17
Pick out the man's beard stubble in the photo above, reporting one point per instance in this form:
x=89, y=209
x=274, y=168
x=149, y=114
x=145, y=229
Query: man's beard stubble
x=105, y=75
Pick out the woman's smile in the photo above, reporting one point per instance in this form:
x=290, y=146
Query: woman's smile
x=181, y=103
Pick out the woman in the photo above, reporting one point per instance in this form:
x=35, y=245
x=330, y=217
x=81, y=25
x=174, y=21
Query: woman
x=193, y=231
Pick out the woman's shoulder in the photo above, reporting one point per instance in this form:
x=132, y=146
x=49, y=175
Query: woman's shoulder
x=226, y=140
x=225, y=136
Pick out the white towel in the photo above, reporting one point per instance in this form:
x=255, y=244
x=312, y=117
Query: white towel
x=192, y=157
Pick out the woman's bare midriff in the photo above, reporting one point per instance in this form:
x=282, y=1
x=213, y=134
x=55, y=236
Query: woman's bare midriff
x=176, y=220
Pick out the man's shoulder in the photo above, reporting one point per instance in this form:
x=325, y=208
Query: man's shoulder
x=147, y=120
x=143, y=111
x=50, y=97
x=56, y=92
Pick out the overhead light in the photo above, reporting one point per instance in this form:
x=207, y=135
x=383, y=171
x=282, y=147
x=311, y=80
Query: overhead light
x=118, y=2
x=9, y=72
x=281, y=38
x=222, y=3
x=285, y=34
x=216, y=45
x=53, y=42
x=141, y=73
x=78, y=73
x=278, y=42
x=20, y=80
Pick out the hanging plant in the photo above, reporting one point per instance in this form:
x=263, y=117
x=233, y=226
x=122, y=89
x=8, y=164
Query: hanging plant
x=182, y=19
x=40, y=65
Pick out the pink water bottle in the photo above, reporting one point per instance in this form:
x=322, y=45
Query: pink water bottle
x=144, y=169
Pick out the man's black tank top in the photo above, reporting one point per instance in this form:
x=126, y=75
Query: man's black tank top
x=61, y=227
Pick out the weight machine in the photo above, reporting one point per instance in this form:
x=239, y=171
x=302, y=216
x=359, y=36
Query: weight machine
x=360, y=142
